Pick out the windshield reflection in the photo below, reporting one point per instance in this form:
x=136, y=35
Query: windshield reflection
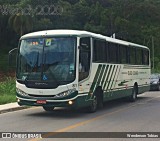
x=47, y=59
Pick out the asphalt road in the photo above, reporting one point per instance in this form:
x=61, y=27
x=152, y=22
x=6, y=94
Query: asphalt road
x=116, y=116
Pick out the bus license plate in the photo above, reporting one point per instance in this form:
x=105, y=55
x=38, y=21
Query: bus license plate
x=41, y=101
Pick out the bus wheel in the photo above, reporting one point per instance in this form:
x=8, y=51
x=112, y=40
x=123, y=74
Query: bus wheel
x=93, y=106
x=158, y=87
x=133, y=97
x=48, y=109
x=100, y=98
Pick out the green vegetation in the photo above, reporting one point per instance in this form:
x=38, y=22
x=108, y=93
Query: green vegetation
x=3, y=61
x=136, y=21
x=7, y=91
x=132, y=20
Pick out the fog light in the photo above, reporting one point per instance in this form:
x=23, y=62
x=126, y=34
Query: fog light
x=70, y=102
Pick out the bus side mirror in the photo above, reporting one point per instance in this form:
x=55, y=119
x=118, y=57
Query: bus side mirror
x=12, y=57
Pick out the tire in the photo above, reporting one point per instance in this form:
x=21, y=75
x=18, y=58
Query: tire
x=133, y=97
x=48, y=109
x=97, y=101
x=93, y=107
x=158, y=87
x=99, y=95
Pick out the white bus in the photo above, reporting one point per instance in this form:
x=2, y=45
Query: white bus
x=71, y=68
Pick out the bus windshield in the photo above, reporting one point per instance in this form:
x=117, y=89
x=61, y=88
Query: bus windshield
x=47, y=60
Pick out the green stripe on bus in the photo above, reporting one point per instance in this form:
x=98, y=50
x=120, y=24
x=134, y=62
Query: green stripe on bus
x=117, y=75
x=113, y=80
x=111, y=77
x=109, y=82
x=95, y=78
x=104, y=76
x=106, y=81
x=100, y=77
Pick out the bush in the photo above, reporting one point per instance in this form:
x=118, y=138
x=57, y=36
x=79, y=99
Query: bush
x=8, y=91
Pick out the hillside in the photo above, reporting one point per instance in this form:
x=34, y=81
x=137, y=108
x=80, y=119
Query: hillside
x=132, y=20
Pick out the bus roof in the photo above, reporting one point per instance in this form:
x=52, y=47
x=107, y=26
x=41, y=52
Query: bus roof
x=67, y=32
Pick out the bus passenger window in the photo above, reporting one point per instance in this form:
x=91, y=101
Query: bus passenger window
x=123, y=54
x=138, y=56
x=84, y=58
x=145, y=56
x=132, y=56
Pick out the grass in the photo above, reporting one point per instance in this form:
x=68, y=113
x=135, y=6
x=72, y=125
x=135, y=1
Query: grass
x=8, y=91
x=7, y=84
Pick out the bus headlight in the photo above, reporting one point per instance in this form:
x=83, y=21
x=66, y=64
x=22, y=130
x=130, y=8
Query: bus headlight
x=66, y=93
x=21, y=92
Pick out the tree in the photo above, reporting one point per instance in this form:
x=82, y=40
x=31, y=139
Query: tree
x=20, y=23
x=132, y=20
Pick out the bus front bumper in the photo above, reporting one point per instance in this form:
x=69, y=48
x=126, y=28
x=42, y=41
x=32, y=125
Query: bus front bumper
x=75, y=102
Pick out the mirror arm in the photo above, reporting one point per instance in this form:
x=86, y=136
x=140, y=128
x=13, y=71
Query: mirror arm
x=12, y=50
x=9, y=55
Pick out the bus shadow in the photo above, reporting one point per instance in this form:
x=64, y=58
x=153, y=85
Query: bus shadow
x=66, y=113
x=83, y=112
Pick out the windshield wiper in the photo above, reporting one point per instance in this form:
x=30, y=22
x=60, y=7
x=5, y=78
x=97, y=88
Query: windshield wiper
x=29, y=74
x=51, y=73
